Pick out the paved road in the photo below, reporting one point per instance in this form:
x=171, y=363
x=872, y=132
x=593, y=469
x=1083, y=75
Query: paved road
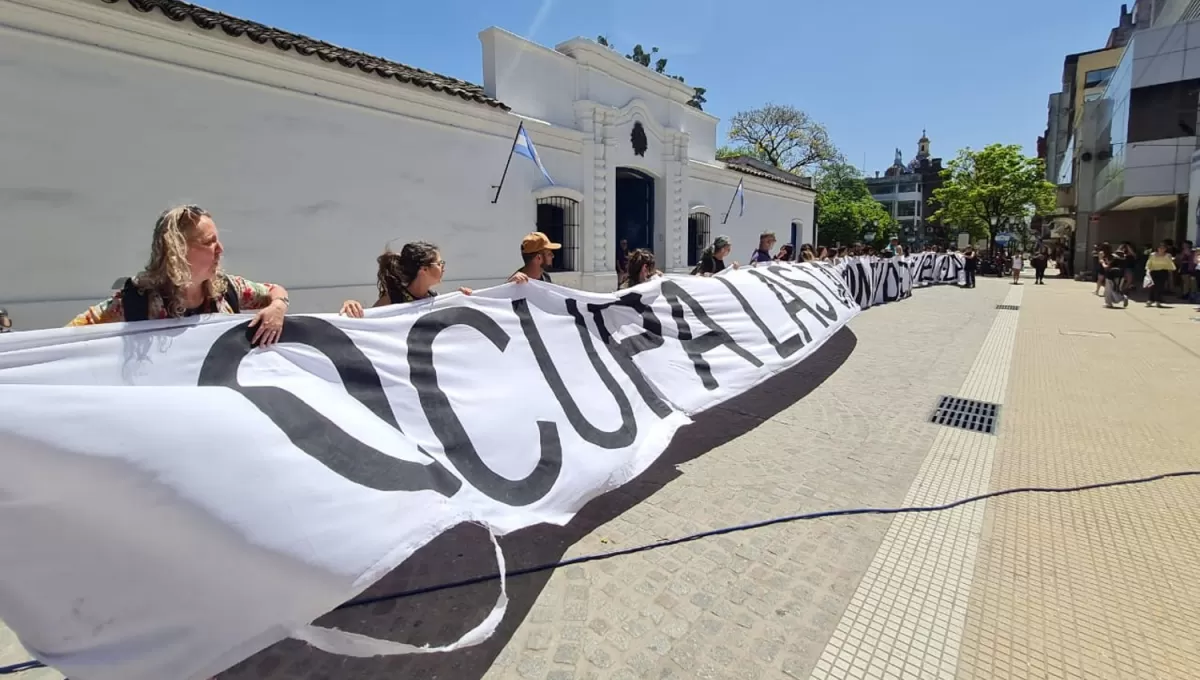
x=1089, y=585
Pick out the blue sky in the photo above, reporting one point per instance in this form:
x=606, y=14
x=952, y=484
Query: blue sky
x=874, y=72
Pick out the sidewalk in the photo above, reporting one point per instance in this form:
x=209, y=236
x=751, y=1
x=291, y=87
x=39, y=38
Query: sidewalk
x=1099, y=584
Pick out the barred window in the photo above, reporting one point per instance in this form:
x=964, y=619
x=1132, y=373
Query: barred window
x=558, y=218
x=699, y=234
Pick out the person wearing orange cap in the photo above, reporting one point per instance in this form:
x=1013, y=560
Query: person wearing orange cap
x=538, y=252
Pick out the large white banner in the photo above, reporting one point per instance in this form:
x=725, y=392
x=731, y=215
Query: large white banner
x=172, y=500
x=875, y=281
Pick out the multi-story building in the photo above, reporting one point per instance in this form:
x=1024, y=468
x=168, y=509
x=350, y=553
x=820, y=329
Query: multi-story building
x=906, y=190
x=1167, y=12
x=1135, y=144
x=1070, y=158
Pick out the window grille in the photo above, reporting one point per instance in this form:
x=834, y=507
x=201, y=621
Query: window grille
x=558, y=218
x=699, y=236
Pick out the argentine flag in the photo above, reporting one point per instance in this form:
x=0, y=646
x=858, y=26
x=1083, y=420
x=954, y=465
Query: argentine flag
x=524, y=145
x=739, y=195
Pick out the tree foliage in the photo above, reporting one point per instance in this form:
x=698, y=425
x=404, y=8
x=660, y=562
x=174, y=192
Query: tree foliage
x=988, y=191
x=734, y=151
x=846, y=211
x=783, y=136
x=639, y=55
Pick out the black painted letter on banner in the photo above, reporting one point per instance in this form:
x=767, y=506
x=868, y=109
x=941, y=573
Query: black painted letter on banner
x=449, y=429
x=625, y=350
x=697, y=347
x=312, y=432
x=626, y=433
x=828, y=312
x=785, y=348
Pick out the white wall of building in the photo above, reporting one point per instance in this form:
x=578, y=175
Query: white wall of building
x=1165, y=54
x=306, y=190
x=310, y=169
x=768, y=208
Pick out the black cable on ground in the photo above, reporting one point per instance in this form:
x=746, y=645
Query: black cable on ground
x=30, y=665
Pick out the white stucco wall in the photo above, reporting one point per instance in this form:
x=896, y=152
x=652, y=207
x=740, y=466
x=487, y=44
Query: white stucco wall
x=545, y=84
x=310, y=169
x=764, y=211
x=305, y=190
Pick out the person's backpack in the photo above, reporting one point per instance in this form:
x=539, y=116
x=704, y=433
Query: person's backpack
x=137, y=304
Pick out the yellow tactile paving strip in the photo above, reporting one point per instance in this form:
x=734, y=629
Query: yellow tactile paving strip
x=907, y=617
x=1101, y=584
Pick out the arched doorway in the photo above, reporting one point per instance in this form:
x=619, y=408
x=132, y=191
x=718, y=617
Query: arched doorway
x=635, y=209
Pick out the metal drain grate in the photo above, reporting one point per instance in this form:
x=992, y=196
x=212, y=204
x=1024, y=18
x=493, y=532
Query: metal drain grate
x=967, y=414
x=1012, y=307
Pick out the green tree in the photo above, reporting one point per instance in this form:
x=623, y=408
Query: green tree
x=639, y=55
x=732, y=151
x=987, y=191
x=846, y=212
x=783, y=136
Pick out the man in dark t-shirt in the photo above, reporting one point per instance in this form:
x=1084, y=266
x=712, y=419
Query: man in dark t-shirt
x=537, y=250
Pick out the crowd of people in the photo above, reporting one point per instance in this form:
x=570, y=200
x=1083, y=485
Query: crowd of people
x=1162, y=271
x=183, y=276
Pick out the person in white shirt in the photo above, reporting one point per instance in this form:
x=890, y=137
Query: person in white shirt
x=1018, y=261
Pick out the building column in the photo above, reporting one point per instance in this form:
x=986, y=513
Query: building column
x=585, y=115
x=675, y=164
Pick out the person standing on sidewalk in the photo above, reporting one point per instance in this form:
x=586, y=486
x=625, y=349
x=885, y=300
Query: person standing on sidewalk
x=1018, y=262
x=970, y=264
x=1186, y=262
x=1040, y=259
x=1112, y=264
x=1159, y=266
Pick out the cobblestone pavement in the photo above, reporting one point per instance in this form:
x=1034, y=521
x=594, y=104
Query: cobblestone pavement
x=1082, y=585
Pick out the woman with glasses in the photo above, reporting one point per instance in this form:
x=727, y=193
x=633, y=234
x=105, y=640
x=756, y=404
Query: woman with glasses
x=184, y=278
x=407, y=276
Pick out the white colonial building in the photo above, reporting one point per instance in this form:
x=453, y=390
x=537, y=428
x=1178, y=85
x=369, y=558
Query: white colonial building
x=313, y=157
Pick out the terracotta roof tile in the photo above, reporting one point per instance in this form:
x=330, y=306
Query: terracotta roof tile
x=753, y=166
x=308, y=47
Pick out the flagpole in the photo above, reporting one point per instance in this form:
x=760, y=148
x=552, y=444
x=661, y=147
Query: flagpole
x=735, y=194
x=500, y=187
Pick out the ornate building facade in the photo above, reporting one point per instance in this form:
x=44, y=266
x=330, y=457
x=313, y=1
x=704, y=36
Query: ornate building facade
x=906, y=191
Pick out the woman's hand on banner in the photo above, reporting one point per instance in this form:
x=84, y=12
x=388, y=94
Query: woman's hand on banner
x=352, y=309
x=465, y=291
x=269, y=323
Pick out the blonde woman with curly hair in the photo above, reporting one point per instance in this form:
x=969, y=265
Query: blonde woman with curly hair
x=184, y=278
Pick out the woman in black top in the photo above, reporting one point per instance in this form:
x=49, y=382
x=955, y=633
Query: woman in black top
x=970, y=264
x=1112, y=266
x=712, y=260
x=1040, y=259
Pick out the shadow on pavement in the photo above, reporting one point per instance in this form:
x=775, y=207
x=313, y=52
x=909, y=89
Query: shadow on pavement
x=465, y=552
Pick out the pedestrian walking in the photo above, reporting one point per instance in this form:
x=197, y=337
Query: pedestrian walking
x=1018, y=262
x=1159, y=266
x=1112, y=264
x=1040, y=260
